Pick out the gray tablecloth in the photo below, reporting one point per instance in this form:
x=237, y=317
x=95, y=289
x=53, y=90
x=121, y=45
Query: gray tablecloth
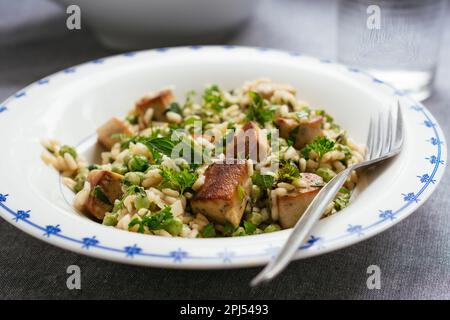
x=414, y=256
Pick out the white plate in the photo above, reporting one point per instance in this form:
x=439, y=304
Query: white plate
x=70, y=104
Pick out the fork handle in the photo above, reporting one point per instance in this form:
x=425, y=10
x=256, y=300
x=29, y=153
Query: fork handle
x=302, y=228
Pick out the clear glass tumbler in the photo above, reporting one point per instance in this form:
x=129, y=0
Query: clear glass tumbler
x=396, y=41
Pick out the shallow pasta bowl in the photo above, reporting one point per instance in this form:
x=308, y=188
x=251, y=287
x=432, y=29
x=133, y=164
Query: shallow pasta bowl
x=71, y=104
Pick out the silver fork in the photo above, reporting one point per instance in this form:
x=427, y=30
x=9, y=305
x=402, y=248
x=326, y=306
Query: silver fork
x=385, y=140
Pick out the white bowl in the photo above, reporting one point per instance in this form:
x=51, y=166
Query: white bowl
x=71, y=104
x=137, y=24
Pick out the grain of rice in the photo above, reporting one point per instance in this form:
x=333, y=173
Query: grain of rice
x=124, y=222
x=48, y=158
x=148, y=115
x=170, y=192
x=291, y=154
x=70, y=183
x=302, y=164
x=177, y=208
x=70, y=162
x=274, y=207
x=162, y=232
x=311, y=164
x=142, y=212
x=300, y=183
x=170, y=200
x=338, y=166
x=199, y=182
x=286, y=186
x=81, y=197
x=173, y=117
x=129, y=202
x=106, y=156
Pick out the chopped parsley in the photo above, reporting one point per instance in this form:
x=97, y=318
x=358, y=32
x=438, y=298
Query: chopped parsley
x=98, y=193
x=178, y=180
x=259, y=110
x=320, y=145
x=156, y=221
x=264, y=181
x=209, y=231
x=213, y=99
x=288, y=172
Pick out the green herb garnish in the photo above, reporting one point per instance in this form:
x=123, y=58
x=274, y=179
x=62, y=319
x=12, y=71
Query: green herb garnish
x=320, y=145
x=288, y=172
x=259, y=110
x=178, y=180
x=98, y=193
x=264, y=181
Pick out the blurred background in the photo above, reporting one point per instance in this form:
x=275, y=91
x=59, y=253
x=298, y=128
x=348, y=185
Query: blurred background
x=35, y=42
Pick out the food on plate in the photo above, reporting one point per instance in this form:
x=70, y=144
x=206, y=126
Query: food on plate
x=225, y=163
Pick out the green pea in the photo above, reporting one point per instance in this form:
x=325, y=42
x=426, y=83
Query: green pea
x=142, y=202
x=239, y=232
x=110, y=220
x=138, y=163
x=68, y=149
x=133, y=178
x=79, y=179
x=255, y=218
x=326, y=173
x=119, y=168
x=173, y=226
x=272, y=227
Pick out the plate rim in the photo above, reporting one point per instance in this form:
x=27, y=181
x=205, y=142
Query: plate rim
x=180, y=257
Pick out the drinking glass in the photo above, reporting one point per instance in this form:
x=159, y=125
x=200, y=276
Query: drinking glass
x=397, y=41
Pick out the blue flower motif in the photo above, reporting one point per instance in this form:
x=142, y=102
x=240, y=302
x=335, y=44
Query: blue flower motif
x=43, y=81
x=387, y=215
x=129, y=54
x=21, y=215
x=435, y=160
x=70, y=70
x=426, y=178
x=132, y=250
x=3, y=197
x=49, y=230
x=3, y=109
x=376, y=80
x=410, y=197
x=89, y=242
x=311, y=241
x=355, y=229
x=429, y=123
x=435, y=141
x=178, y=255
x=226, y=256
x=20, y=94
x=416, y=108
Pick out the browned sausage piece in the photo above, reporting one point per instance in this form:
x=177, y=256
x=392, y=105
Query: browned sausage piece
x=106, y=187
x=292, y=205
x=305, y=132
x=223, y=196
